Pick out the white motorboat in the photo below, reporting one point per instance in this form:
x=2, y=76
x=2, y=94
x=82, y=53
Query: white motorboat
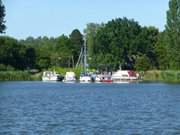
x=124, y=76
x=70, y=77
x=51, y=76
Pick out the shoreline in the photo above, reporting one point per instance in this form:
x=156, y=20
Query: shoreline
x=19, y=76
x=159, y=76
x=162, y=76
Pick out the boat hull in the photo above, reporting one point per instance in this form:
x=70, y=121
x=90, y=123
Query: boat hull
x=85, y=79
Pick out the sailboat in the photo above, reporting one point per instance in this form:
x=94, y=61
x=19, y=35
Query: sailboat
x=84, y=76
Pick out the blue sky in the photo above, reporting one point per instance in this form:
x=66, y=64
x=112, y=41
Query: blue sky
x=56, y=17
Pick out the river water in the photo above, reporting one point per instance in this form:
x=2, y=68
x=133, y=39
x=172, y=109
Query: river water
x=37, y=108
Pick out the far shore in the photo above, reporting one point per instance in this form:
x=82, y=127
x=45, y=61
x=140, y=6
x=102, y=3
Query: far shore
x=167, y=76
x=164, y=76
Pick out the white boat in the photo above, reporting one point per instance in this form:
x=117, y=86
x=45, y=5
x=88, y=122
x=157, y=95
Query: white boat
x=124, y=76
x=51, y=76
x=103, y=78
x=85, y=78
x=70, y=77
x=98, y=79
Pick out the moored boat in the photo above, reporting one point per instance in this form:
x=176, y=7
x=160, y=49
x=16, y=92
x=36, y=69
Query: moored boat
x=107, y=79
x=103, y=78
x=51, y=76
x=85, y=78
x=125, y=76
x=70, y=77
x=97, y=78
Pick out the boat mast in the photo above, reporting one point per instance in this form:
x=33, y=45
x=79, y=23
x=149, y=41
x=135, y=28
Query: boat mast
x=82, y=60
x=85, y=56
x=79, y=63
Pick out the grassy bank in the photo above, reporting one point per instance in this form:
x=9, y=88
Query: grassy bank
x=18, y=76
x=169, y=76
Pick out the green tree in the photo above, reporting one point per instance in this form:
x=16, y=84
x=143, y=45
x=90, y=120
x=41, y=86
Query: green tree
x=2, y=15
x=145, y=44
x=65, y=52
x=76, y=39
x=161, y=51
x=91, y=33
x=142, y=63
x=117, y=38
x=173, y=33
x=43, y=62
x=12, y=53
x=30, y=56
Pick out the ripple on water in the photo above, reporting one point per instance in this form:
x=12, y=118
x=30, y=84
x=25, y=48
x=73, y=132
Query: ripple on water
x=89, y=109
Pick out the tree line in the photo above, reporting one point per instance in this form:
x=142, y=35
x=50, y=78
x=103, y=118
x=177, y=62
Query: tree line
x=121, y=42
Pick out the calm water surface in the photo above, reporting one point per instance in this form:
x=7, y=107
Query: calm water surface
x=36, y=108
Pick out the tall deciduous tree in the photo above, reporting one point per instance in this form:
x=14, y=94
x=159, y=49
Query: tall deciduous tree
x=161, y=50
x=173, y=32
x=2, y=15
x=91, y=33
x=117, y=39
x=76, y=39
x=145, y=44
x=15, y=54
x=64, y=51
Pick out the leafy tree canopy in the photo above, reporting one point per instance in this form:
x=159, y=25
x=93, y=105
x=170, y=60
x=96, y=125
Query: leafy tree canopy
x=2, y=15
x=173, y=33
